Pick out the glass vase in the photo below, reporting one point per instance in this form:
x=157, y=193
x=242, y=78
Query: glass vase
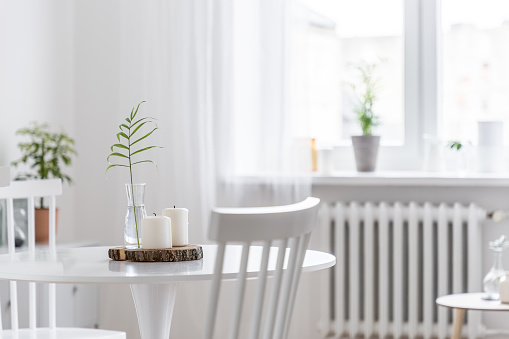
x=491, y=282
x=135, y=212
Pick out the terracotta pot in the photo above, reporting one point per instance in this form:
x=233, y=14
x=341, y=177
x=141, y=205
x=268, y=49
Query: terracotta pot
x=365, y=148
x=42, y=225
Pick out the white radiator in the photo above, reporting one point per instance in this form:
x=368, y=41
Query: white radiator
x=393, y=261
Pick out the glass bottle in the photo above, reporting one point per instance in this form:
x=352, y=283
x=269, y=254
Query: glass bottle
x=491, y=282
x=135, y=212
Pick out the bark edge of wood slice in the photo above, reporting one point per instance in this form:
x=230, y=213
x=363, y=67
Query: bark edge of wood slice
x=117, y=253
x=174, y=254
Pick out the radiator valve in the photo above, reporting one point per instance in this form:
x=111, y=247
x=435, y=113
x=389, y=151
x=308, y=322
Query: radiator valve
x=496, y=215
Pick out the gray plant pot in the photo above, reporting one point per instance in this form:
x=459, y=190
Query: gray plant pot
x=365, y=148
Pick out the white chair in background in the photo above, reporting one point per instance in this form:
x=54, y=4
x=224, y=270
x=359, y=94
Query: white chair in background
x=30, y=190
x=288, y=227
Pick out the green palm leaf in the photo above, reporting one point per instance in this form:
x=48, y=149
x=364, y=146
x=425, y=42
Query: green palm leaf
x=142, y=150
x=116, y=154
x=115, y=165
x=142, y=119
x=136, y=112
x=123, y=135
x=139, y=162
x=139, y=126
x=119, y=146
x=143, y=137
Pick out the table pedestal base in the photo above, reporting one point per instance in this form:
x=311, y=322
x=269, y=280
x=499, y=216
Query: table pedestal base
x=154, y=308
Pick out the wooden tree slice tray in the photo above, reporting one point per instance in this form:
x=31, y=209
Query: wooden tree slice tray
x=184, y=253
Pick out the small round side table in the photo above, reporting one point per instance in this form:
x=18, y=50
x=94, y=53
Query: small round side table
x=468, y=301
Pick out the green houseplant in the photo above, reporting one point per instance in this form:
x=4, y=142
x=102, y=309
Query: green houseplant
x=126, y=152
x=366, y=93
x=45, y=154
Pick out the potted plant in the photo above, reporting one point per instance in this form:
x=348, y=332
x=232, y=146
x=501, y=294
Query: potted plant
x=366, y=145
x=127, y=151
x=45, y=153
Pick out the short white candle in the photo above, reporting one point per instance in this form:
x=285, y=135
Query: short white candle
x=156, y=232
x=180, y=225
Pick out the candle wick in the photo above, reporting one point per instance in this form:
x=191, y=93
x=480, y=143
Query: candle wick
x=155, y=215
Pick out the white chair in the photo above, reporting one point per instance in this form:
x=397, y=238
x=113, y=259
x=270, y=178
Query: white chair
x=30, y=190
x=291, y=227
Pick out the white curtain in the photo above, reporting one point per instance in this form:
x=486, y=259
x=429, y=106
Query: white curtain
x=263, y=161
x=216, y=75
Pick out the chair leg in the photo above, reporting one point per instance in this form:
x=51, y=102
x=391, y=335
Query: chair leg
x=459, y=316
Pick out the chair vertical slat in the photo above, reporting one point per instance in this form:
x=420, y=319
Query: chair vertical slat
x=32, y=294
x=52, y=222
x=11, y=245
x=31, y=224
x=260, y=292
x=303, y=244
x=52, y=305
x=10, y=226
x=239, y=298
x=214, y=292
x=286, y=286
x=52, y=245
x=273, y=302
x=14, y=305
x=32, y=300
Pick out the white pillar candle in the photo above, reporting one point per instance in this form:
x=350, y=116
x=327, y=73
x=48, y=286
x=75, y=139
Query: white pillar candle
x=179, y=223
x=156, y=232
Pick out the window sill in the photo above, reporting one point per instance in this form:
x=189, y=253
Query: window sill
x=393, y=178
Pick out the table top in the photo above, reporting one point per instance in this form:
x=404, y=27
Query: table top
x=92, y=265
x=471, y=301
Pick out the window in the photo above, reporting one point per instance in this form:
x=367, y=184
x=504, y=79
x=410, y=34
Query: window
x=342, y=34
x=446, y=70
x=475, y=66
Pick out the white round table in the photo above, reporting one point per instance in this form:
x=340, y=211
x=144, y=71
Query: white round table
x=153, y=284
x=468, y=301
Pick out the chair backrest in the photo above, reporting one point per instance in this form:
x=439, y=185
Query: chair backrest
x=290, y=226
x=31, y=190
